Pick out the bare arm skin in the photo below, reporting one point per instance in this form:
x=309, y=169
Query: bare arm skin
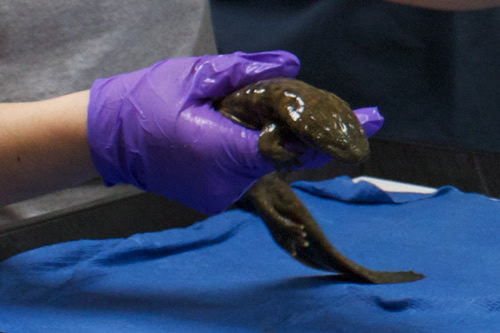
x=450, y=4
x=43, y=146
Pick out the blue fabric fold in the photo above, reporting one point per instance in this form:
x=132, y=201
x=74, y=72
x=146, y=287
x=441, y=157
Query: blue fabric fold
x=343, y=188
x=226, y=274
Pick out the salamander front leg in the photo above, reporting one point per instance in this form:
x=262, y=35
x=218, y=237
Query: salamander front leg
x=271, y=144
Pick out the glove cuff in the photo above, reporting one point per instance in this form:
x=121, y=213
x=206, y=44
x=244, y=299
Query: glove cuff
x=103, y=132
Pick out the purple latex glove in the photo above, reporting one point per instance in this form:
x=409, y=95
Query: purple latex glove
x=156, y=128
x=370, y=118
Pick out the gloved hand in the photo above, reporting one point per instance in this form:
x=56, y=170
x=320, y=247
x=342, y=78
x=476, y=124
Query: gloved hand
x=156, y=128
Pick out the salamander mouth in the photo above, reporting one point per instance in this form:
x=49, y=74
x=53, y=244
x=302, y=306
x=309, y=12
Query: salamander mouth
x=348, y=153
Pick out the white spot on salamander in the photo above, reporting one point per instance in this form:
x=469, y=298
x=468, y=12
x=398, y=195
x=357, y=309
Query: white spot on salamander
x=268, y=129
x=295, y=111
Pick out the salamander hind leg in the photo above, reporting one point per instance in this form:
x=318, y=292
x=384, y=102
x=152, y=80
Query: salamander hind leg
x=267, y=199
x=295, y=230
x=286, y=218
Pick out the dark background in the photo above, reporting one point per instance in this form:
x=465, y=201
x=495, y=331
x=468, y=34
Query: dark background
x=433, y=74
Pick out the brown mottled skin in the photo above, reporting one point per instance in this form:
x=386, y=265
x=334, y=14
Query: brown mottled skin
x=286, y=110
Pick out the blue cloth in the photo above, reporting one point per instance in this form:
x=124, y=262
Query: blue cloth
x=227, y=275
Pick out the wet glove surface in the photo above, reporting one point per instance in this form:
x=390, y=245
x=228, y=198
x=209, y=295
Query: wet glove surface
x=227, y=275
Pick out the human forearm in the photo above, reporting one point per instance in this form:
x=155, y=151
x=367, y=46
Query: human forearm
x=450, y=4
x=43, y=146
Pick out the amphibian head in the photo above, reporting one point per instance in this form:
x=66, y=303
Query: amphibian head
x=292, y=107
x=325, y=121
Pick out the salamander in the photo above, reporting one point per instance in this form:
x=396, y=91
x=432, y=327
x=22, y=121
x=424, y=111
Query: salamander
x=286, y=110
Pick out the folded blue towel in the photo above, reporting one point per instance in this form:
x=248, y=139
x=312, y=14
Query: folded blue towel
x=226, y=274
